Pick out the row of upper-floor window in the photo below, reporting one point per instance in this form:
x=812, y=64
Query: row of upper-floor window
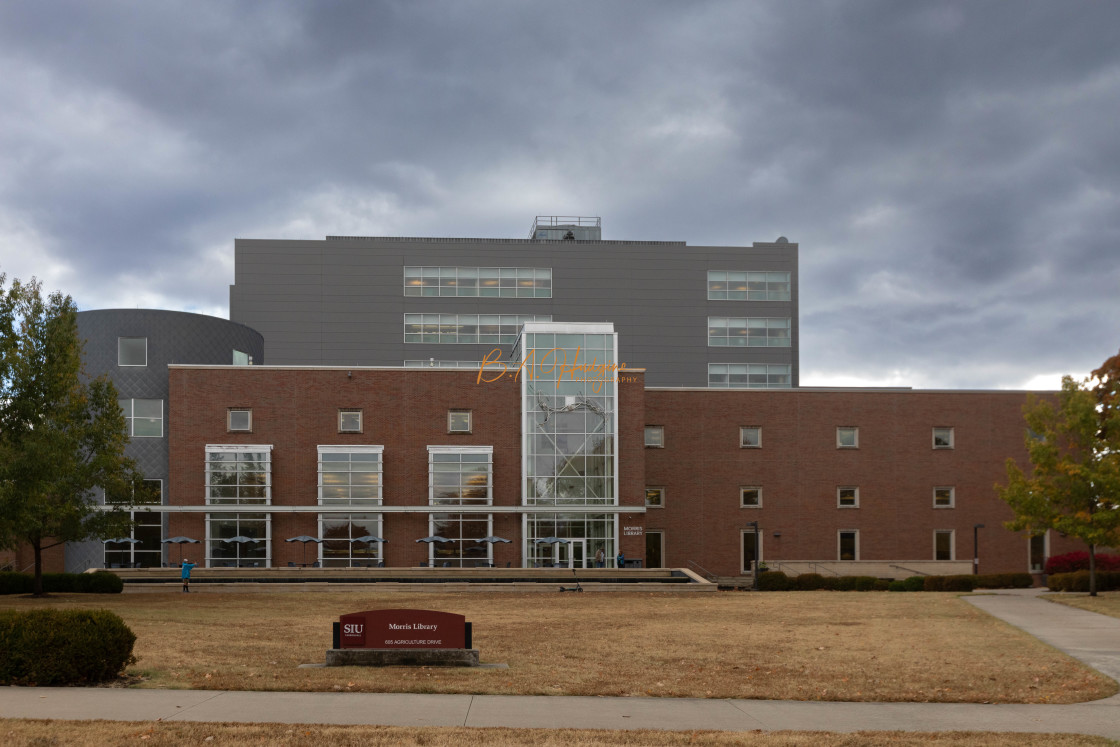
x=536, y=282
x=847, y=437
x=847, y=496
x=144, y=419
x=847, y=546
x=133, y=351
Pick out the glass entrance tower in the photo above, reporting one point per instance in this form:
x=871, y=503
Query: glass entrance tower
x=569, y=410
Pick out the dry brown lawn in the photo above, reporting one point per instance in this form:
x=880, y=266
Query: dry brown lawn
x=1106, y=602
x=804, y=646
x=43, y=733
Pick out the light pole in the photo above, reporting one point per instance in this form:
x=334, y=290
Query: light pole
x=976, y=548
x=754, y=581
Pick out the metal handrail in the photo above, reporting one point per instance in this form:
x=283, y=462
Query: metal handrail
x=911, y=570
x=702, y=570
x=818, y=568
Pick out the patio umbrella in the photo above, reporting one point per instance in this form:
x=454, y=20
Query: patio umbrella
x=304, y=539
x=492, y=539
x=180, y=541
x=434, y=538
x=120, y=541
x=241, y=540
x=368, y=538
x=550, y=541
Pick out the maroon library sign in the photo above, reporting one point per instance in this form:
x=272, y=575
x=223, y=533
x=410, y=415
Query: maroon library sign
x=402, y=629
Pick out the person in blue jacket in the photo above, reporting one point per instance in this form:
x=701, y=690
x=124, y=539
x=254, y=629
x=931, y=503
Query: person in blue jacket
x=187, y=566
x=620, y=561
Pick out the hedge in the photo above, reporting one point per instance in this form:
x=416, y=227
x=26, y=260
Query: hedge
x=1079, y=561
x=778, y=581
x=63, y=647
x=101, y=582
x=1079, y=581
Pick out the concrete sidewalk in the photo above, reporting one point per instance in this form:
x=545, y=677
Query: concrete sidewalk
x=1093, y=638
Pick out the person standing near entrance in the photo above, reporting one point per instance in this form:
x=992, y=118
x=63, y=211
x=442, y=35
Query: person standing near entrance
x=187, y=567
x=601, y=558
x=621, y=559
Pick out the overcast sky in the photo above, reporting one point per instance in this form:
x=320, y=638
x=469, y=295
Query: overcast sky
x=950, y=170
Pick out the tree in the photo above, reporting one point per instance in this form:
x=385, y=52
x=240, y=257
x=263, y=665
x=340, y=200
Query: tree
x=1074, y=446
x=61, y=436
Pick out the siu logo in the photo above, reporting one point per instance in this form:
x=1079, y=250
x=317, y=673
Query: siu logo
x=354, y=633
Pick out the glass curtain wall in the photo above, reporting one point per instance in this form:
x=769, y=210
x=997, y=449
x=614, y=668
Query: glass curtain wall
x=569, y=451
x=460, y=476
x=350, y=476
x=238, y=475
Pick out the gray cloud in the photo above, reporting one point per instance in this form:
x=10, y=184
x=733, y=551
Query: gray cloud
x=951, y=170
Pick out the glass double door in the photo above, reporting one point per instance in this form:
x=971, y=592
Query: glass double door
x=570, y=554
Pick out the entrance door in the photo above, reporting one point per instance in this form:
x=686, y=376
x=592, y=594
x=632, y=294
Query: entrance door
x=654, y=547
x=570, y=554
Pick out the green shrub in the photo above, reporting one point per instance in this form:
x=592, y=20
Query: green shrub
x=897, y=586
x=809, y=582
x=101, y=582
x=1079, y=581
x=774, y=581
x=846, y=583
x=63, y=647
x=830, y=583
x=1004, y=581
x=959, y=583
x=864, y=583
x=933, y=583
x=915, y=583
x=882, y=584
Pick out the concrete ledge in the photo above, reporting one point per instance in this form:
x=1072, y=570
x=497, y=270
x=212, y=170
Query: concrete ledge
x=402, y=657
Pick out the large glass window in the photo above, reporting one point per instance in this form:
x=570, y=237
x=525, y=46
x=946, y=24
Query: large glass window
x=583, y=536
x=238, y=540
x=460, y=476
x=749, y=375
x=436, y=363
x=144, y=417
x=463, y=550
x=727, y=285
x=350, y=475
x=848, y=541
x=238, y=475
x=144, y=548
x=943, y=544
x=132, y=351
x=485, y=282
x=345, y=540
x=751, y=332
x=497, y=329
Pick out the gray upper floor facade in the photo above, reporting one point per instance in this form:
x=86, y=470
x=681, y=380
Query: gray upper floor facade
x=689, y=315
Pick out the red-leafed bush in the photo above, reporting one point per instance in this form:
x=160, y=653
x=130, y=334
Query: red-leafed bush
x=1079, y=561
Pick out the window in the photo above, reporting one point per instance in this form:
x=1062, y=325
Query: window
x=344, y=542
x=748, y=332
x=458, y=421
x=750, y=497
x=350, y=420
x=750, y=437
x=485, y=282
x=350, y=475
x=436, y=363
x=655, y=436
x=146, y=551
x=944, y=497
x=749, y=375
x=239, y=420
x=132, y=351
x=748, y=286
x=655, y=497
x=847, y=437
x=242, y=359
x=460, y=475
x=751, y=540
x=943, y=544
x=143, y=417
x=942, y=438
x=251, y=551
x=238, y=474
x=848, y=544
x=499, y=329
x=1038, y=551
x=847, y=497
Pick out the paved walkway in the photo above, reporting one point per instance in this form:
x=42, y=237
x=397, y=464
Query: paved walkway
x=1092, y=638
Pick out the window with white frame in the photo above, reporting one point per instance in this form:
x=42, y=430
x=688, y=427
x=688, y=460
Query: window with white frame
x=238, y=475
x=749, y=375
x=483, y=282
x=239, y=419
x=847, y=497
x=847, y=541
x=460, y=475
x=731, y=285
x=655, y=436
x=350, y=475
x=463, y=550
x=750, y=437
x=458, y=421
x=350, y=420
x=132, y=351
x=143, y=417
x=350, y=540
x=655, y=497
x=750, y=548
x=847, y=437
x=750, y=332
x=942, y=438
x=943, y=545
x=498, y=329
x=750, y=496
x=944, y=497
x=238, y=540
